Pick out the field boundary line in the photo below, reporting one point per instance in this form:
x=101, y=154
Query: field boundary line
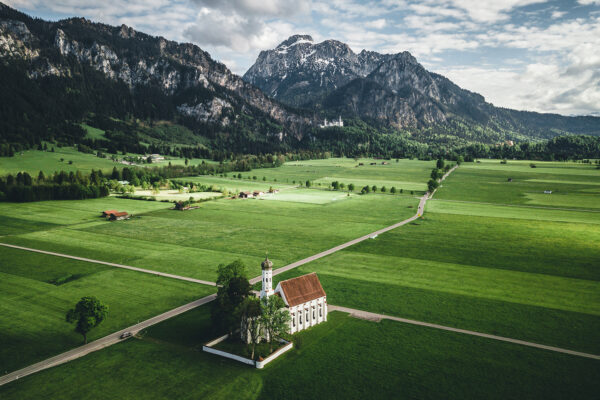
x=374, y=316
x=146, y=271
x=101, y=343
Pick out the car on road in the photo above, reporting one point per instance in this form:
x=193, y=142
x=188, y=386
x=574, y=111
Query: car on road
x=125, y=335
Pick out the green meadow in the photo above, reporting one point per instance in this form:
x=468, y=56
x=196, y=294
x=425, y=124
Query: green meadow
x=404, y=174
x=344, y=358
x=37, y=290
x=573, y=185
x=489, y=255
x=34, y=161
x=192, y=243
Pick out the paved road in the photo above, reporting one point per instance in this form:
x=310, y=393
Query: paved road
x=420, y=210
x=101, y=343
x=146, y=271
x=376, y=317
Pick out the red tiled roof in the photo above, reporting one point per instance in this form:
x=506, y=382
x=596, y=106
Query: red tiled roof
x=120, y=214
x=108, y=212
x=302, y=289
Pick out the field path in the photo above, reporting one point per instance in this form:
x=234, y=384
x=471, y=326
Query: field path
x=146, y=271
x=102, y=342
x=371, y=235
x=376, y=317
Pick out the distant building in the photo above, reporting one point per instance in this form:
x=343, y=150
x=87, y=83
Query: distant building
x=108, y=213
x=119, y=216
x=258, y=193
x=327, y=124
x=246, y=195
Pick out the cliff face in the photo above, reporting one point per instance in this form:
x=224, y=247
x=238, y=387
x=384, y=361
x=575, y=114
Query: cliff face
x=199, y=86
x=299, y=71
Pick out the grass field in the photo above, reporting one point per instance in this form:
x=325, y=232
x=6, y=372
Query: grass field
x=489, y=255
x=405, y=174
x=34, y=301
x=572, y=185
x=192, y=243
x=516, y=270
x=34, y=161
x=342, y=359
x=174, y=195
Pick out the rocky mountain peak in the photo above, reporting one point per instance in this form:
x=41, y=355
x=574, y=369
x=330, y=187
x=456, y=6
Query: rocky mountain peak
x=294, y=40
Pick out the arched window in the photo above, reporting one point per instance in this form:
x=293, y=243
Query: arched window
x=314, y=314
x=320, y=310
x=300, y=317
x=293, y=320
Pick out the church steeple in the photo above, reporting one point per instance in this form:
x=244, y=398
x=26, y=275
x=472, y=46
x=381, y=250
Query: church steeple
x=267, y=278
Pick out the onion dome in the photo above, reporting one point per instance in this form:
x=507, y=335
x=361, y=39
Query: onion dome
x=267, y=264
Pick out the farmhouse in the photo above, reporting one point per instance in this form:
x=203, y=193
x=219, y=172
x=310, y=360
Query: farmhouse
x=303, y=296
x=119, y=215
x=108, y=213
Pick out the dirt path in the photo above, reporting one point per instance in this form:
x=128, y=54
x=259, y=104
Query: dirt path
x=146, y=271
x=376, y=317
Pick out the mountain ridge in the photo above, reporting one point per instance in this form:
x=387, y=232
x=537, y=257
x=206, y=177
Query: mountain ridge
x=391, y=89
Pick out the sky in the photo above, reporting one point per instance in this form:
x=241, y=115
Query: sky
x=531, y=55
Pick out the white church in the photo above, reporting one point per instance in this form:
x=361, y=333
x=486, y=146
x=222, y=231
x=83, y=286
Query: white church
x=303, y=296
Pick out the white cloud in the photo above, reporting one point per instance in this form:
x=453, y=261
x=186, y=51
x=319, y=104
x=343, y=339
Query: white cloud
x=376, y=24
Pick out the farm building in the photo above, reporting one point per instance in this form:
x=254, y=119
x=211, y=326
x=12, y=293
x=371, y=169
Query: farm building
x=258, y=193
x=246, y=195
x=119, y=216
x=108, y=213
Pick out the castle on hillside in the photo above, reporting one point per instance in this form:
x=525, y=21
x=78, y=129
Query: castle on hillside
x=327, y=124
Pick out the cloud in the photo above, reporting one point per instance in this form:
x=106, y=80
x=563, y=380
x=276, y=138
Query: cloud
x=270, y=8
x=235, y=32
x=376, y=24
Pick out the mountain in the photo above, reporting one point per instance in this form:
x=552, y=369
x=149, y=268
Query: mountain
x=393, y=90
x=299, y=71
x=52, y=72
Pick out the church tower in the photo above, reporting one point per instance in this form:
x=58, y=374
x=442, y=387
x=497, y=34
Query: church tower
x=267, y=278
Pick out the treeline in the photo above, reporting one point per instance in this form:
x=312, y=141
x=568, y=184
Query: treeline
x=61, y=186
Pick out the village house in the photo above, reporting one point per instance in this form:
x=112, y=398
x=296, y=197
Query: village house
x=115, y=215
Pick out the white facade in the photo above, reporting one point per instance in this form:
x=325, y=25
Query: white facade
x=307, y=314
x=327, y=124
x=267, y=282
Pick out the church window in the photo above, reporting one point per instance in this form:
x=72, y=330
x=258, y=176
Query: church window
x=314, y=313
x=320, y=310
x=293, y=320
x=300, y=316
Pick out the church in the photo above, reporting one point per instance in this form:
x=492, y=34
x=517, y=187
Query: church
x=303, y=296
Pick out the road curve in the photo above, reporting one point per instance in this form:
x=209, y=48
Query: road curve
x=375, y=317
x=101, y=343
x=146, y=271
